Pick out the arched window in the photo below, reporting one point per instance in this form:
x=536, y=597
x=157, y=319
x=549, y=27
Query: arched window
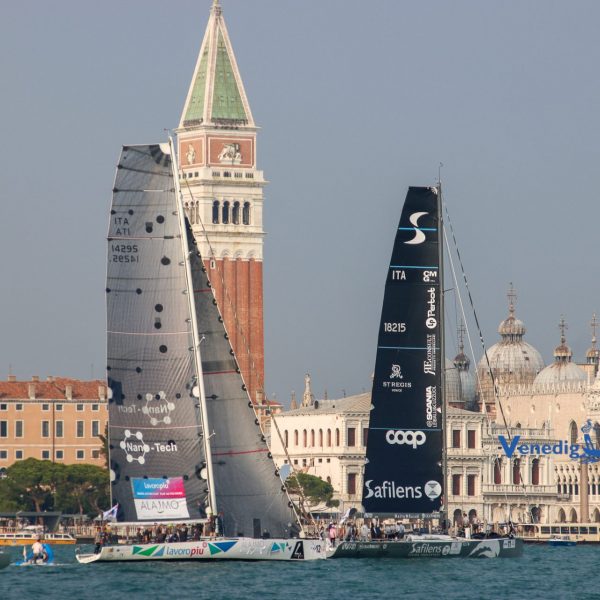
x=561, y=516
x=535, y=471
x=337, y=437
x=312, y=438
x=498, y=471
x=329, y=481
x=329, y=437
x=246, y=213
x=305, y=438
x=516, y=474
x=285, y=435
x=235, y=216
x=225, y=218
x=215, y=215
x=321, y=438
x=573, y=432
x=295, y=437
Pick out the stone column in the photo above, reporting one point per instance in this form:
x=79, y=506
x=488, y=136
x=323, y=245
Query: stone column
x=584, y=505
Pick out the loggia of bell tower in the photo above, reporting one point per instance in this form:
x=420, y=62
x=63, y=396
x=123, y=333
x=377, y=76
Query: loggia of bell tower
x=223, y=194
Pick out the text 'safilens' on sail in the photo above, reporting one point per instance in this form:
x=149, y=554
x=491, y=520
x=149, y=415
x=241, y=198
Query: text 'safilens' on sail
x=403, y=472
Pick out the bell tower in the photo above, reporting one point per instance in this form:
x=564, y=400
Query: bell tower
x=223, y=194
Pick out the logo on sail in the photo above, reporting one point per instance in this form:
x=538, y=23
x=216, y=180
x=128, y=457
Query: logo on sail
x=430, y=364
x=419, y=235
x=389, y=489
x=431, y=405
x=433, y=490
x=402, y=436
x=396, y=372
x=431, y=321
x=396, y=383
x=158, y=408
x=135, y=449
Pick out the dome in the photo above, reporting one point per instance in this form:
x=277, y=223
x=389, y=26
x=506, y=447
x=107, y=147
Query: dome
x=562, y=369
x=468, y=381
x=560, y=372
x=460, y=384
x=452, y=384
x=518, y=358
x=512, y=360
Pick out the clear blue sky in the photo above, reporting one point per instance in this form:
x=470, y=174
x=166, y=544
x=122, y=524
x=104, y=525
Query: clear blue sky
x=357, y=100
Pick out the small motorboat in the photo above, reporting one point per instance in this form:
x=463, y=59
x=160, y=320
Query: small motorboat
x=562, y=540
x=28, y=560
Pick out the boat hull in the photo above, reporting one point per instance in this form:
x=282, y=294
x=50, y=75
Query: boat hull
x=215, y=549
x=416, y=548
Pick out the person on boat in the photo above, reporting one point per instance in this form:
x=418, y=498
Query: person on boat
x=332, y=534
x=37, y=550
x=98, y=541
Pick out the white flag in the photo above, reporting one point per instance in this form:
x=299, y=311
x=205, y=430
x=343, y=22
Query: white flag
x=110, y=514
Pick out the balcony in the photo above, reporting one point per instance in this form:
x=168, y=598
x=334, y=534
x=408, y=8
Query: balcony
x=511, y=489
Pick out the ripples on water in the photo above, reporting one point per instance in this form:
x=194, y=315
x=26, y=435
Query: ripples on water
x=542, y=573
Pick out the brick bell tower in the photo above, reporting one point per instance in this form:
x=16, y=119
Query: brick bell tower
x=223, y=194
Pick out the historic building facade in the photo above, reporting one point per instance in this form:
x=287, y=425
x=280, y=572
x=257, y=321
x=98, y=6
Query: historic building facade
x=58, y=419
x=222, y=191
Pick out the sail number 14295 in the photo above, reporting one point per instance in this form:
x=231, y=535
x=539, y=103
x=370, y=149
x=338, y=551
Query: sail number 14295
x=394, y=327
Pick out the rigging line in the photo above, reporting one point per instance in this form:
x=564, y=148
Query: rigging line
x=489, y=368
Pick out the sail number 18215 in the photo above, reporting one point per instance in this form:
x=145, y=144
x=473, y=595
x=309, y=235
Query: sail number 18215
x=394, y=327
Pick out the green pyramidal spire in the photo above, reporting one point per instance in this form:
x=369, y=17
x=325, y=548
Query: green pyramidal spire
x=216, y=95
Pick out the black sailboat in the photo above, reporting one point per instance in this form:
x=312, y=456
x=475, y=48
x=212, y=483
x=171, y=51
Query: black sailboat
x=404, y=471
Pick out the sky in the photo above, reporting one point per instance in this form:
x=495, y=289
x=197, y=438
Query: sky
x=356, y=101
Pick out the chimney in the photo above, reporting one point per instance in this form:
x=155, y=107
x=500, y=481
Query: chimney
x=35, y=378
x=101, y=392
x=69, y=392
x=12, y=378
x=50, y=378
x=31, y=391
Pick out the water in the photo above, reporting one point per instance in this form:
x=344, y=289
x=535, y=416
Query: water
x=542, y=573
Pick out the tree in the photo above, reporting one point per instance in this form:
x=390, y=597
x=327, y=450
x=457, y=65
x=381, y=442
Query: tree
x=34, y=482
x=84, y=489
x=315, y=490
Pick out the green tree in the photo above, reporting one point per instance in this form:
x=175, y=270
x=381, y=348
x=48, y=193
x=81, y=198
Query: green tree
x=84, y=489
x=34, y=482
x=315, y=490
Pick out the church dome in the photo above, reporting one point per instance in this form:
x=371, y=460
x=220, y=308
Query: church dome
x=452, y=384
x=512, y=360
x=460, y=382
x=562, y=369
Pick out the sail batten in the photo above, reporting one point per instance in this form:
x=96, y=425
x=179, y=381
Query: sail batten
x=403, y=469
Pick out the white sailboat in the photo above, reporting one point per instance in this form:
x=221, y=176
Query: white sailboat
x=186, y=443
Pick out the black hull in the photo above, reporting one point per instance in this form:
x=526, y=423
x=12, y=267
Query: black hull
x=424, y=548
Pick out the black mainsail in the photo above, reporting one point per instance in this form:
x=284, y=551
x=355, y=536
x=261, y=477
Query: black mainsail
x=403, y=472
x=184, y=436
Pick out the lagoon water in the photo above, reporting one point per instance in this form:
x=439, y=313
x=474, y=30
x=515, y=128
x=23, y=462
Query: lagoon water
x=542, y=573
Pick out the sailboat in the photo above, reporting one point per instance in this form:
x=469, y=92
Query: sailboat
x=404, y=474
x=187, y=452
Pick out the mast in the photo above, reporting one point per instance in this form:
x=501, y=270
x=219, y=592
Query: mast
x=442, y=313
x=196, y=341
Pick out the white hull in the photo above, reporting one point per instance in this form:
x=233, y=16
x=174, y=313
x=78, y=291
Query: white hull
x=213, y=549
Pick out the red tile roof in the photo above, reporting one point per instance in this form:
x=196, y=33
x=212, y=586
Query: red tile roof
x=54, y=388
